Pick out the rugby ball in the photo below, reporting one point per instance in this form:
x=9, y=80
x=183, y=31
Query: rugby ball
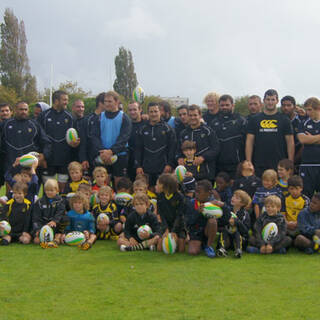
x=114, y=158
x=180, y=172
x=138, y=94
x=103, y=217
x=123, y=198
x=46, y=234
x=169, y=245
x=94, y=199
x=269, y=231
x=210, y=210
x=142, y=229
x=28, y=160
x=74, y=238
x=6, y=228
x=98, y=159
x=154, y=202
x=71, y=135
x=34, y=153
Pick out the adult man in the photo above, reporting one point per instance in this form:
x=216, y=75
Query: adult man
x=55, y=122
x=134, y=111
x=212, y=102
x=111, y=132
x=20, y=135
x=77, y=111
x=155, y=146
x=309, y=135
x=182, y=121
x=269, y=136
x=166, y=115
x=254, y=106
x=5, y=111
x=230, y=128
x=206, y=141
x=39, y=107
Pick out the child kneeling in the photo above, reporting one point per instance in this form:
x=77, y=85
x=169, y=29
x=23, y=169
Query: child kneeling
x=141, y=215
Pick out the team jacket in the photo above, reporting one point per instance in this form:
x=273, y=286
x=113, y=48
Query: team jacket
x=55, y=124
x=247, y=184
x=81, y=222
x=135, y=220
x=45, y=210
x=110, y=210
x=20, y=137
x=155, y=147
x=198, y=172
x=121, y=141
x=263, y=220
x=231, y=132
x=18, y=215
x=308, y=222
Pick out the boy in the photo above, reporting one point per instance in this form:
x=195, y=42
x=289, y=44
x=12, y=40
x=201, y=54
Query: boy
x=49, y=210
x=285, y=171
x=236, y=233
x=223, y=187
x=309, y=227
x=100, y=176
x=76, y=175
x=294, y=203
x=17, y=213
x=141, y=215
x=140, y=186
x=280, y=241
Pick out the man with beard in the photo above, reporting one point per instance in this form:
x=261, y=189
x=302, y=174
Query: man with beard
x=181, y=122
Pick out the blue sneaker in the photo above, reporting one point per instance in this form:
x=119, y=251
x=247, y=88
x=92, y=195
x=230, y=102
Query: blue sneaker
x=308, y=251
x=253, y=250
x=282, y=251
x=209, y=252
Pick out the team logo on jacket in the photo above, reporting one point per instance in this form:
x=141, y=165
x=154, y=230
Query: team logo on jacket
x=66, y=120
x=269, y=126
x=29, y=130
x=163, y=133
x=203, y=135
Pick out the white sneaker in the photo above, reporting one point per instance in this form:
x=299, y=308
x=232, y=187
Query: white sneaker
x=123, y=248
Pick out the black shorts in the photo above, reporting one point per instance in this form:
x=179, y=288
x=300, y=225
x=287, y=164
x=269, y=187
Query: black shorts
x=153, y=177
x=120, y=167
x=52, y=170
x=197, y=234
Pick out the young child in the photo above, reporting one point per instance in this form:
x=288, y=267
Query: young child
x=17, y=213
x=124, y=206
x=171, y=208
x=76, y=176
x=309, y=226
x=285, y=171
x=144, y=177
x=141, y=215
x=246, y=180
x=279, y=242
x=100, y=176
x=82, y=220
x=236, y=233
x=140, y=186
x=223, y=187
x=107, y=229
x=189, y=149
x=269, y=187
x=294, y=202
x=201, y=230
x=49, y=210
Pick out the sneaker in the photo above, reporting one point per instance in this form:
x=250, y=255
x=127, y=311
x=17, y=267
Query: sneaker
x=4, y=242
x=222, y=252
x=209, y=252
x=52, y=244
x=253, y=250
x=238, y=253
x=85, y=246
x=123, y=248
x=44, y=245
x=153, y=248
x=114, y=238
x=316, y=239
x=282, y=251
x=308, y=251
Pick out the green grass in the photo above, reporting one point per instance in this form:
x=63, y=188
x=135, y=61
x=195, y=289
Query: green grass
x=104, y=283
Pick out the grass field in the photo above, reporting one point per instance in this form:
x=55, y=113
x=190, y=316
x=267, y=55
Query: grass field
x=104, y=283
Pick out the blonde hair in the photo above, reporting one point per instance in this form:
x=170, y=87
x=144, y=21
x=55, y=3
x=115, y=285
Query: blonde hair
x=141, y=197
x=105, y=189
x=245, y=198
x=51, y=184
x=140, y=183
x=270, y=174
x=79, y=197
x=99, y=170
x=213, y=95
x=75, y=165
x=273, y=200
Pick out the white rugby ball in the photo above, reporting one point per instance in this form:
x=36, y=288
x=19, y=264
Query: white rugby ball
x=71, y=135
x=169, y=245
x=144, y=228
x=28, y=160
x=180, y=172
x=46, y=234
x=123, y=198
x=34, y=153
x=103, y=217
x=75, y=238
x=138, y=94
x=98, y=159
x=269, y=231
x=6, y=228
x=210, y=210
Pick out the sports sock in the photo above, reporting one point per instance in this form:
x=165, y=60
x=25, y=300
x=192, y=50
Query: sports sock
x=137, y=247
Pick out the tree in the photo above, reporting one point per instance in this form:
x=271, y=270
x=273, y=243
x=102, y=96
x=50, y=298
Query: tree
x=8, y=95
x=126, y=78
x=241, y=105
x=14, y=63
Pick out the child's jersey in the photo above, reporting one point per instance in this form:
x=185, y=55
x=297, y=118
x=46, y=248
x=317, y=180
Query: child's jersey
x=242, y=221
x=294, y=206
x=46, y=210
x=110, y=210
x=262, y=193
x=308, y=222
x=283, y=187
x=81, y=222
x=225, y=195
x=18, y=215
x=199, y=172
x=247, y=184
x=72, y=187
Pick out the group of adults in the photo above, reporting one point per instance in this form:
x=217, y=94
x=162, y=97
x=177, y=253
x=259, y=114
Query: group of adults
x=151, y=143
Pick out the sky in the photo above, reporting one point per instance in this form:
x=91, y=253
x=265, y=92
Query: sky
x=180, y=47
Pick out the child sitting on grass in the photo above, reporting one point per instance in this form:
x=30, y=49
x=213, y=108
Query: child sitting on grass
x=49, y=210
x=17, y=213
x=81, y=219
x=141, y=215
x=278, y=242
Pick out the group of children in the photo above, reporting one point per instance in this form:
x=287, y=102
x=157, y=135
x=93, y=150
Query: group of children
x=102, y=212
